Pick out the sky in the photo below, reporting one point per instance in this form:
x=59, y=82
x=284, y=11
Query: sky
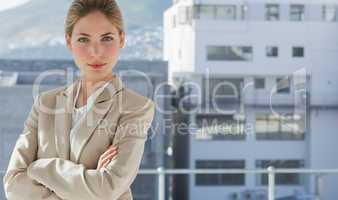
x=6, y=4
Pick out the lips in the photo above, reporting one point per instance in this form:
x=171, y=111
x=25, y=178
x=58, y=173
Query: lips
x=97, y=66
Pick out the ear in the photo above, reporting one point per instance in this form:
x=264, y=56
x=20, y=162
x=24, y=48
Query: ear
x=68, y=42
x=122, y=39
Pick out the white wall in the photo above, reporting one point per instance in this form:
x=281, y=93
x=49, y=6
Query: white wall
x=323, y=147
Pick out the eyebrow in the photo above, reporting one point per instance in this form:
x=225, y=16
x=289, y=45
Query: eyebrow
x=109, y=33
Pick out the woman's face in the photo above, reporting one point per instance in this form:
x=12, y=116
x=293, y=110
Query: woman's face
x=95, y=44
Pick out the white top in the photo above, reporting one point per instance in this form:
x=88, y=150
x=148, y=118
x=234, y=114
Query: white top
x=79, y=113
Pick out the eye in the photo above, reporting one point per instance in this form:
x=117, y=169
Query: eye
x=83, y=40
x=108, y=39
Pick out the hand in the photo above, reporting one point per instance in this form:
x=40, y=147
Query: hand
x=106, y=157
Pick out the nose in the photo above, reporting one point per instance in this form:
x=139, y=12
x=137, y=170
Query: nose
x=95, y=50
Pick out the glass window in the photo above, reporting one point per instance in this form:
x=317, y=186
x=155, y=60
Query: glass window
x=222, y=12
x=244, y=12
x=259, y=83
x=183, y=15
x=297, y=51
x=280, y=127
x=225, y=12
x=272, y=51
x=222, y=93
x=190, y=14
x=216, y=53
x=207, y=12
x=282, y=178
x=219, y=179
x=229, y=53
x=329, y=13
x=219, y=127
x=196, y=11
x=283, y=85
x=174, y=21
x=297, y=12
x=272, y=12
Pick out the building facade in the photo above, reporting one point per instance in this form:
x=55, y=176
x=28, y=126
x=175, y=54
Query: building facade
x=260, y=79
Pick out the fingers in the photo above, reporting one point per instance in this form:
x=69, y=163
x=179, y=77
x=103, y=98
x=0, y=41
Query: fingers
x=109, y=150
x=106, y=157
x=109, y=156
x=104, y=162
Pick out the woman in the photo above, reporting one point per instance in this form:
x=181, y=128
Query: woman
x=91, y=145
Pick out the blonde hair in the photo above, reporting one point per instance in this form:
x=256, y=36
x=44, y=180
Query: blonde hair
x=81, y=8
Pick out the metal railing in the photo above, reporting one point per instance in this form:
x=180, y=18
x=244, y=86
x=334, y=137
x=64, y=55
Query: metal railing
x=270, y=171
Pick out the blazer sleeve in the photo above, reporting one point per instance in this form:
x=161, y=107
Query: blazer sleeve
x=17, y=185
x=73, y=181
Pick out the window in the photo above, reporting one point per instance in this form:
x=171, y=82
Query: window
x=244, y=12
x=282, y=178
x=297, y=12
x=174, y=21
x=225, y=12
x=229, y=53
x=185, y=15
x=206, y=12
x=182, y=15
x=259, y=83
x=297, y=52
x=272, y=51
x=220, y=92
x=283, y=85
x=219, y=179
x=190, y=14
x=329, y=13
x=196, y=11
x=272, y=12
x=219, y=127
x=280, y=127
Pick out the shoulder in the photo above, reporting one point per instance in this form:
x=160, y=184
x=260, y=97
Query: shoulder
x=52, y=93
x=45, y=101
x=132, y=101
x=48, y=97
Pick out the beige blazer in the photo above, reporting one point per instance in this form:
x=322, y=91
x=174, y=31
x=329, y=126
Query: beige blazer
x=43, y=165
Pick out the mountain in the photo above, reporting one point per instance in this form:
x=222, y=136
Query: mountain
x=36, y=29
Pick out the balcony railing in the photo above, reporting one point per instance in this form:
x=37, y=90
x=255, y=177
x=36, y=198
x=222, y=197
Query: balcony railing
x=270, y=171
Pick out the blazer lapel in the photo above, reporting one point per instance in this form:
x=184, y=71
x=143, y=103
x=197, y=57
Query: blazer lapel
x=63, y=118
x=94, y=117
x=87, y=127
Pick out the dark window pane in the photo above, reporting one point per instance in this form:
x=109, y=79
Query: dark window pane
x=297, y=12
x=283, y=178
x=271, y=51
x=219, y=179
x=229, y=53
x=259, y=83
x=219, y=127
x=283, y=85
x=272, y=12
x=280, y=127
x=298, y=51
x=329, y=13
